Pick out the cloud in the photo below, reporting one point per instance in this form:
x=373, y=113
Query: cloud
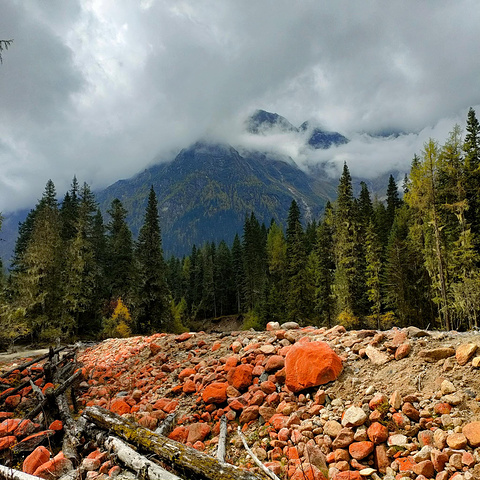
x=98, y=88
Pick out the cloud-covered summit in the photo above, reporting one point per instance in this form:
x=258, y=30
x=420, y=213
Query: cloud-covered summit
x=98, y=88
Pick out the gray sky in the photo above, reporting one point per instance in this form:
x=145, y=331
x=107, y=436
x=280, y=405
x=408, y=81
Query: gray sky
x=98, y=88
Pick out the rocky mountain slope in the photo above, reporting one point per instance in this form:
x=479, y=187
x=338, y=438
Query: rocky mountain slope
x=311, y=401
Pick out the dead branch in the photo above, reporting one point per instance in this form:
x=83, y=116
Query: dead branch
x=254, y=457
x=11, y=474
x=222, y=440
x=167, y=425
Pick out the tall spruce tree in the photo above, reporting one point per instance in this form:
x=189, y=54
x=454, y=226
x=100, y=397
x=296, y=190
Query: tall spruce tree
x=393, y=201
x=238, y=273
x=347, y=252
x=119, y=253
x=152, y=302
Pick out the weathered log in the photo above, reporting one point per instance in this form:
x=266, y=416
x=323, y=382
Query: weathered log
x=31, y=362
x=70, y=433
x=136, y=462
x=167, y=425
x=222, y=440
x=188, y=462
x=255, y=458
x=11, y=474
x=58, y=391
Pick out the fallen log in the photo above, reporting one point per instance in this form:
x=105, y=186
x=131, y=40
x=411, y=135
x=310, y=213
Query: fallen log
x=138, y=463
x=8, y=473
x=188, y=462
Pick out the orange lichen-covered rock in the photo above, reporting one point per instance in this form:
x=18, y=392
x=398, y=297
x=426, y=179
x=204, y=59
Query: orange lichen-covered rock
x=38, y=457
x=311, y=364
x=215, y=392
x=7, y=442
x=119, y=406
x=240, y=377
x=54, y=468
x=198, y=432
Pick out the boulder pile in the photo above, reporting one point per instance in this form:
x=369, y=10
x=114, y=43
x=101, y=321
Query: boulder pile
x=313, y=403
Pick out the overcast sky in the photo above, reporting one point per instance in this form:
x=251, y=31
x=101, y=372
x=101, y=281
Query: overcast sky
x=98, y=88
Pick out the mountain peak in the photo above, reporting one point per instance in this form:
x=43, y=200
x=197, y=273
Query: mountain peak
x=262, y=122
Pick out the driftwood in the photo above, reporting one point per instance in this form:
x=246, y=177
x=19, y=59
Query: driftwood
x=188, y=462
x=222, y=440
x=255, y=458
x=11, y=474
x=58, y=391
x=70, y=434
x=138, y=463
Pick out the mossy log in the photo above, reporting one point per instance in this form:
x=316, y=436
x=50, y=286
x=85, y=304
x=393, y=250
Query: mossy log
x=187, y=462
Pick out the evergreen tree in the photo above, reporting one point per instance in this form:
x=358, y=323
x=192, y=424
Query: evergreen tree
x=322, y=260
x=225, y=292
x=238, y=273
x=119, y=253
x=69, y=211
x=347, y=252
x=393, y=201
x=38, y=280
x=374, y=266
x=82, y=270
x=152, y=312
x=299, y=293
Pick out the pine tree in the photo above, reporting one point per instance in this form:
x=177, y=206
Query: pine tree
x=347, y=251
x=82, y=273
x=69, y=211
x=393, y=201
x=225, y=292
x=152, y=312
x=238, y=273
x=38, y=280
x=119, y=253
x=373, y=253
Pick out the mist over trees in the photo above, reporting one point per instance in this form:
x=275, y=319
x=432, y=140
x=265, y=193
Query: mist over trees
x=410, y=259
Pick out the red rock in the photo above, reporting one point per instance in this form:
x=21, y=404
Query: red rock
x=274, y=362
x=411, y=412
x=311, y=364
x=424, y=468
x=343, y=439
x=5, y=415
x=268, y=387
x=170, y=406
x=37, y=458
x=90, y=464
x=240, y=377
x=9, y=426
x=48, y=387
x=381, y=458
x=186, y=372
x=105, y=467
x=147, y=421
x=54, y=468
x=183, y=337
x=400, y=419
x=403, y=351
x=468, y=459
x=360, y=450
x=119, y=406
x=179, y=434
x=197, y=432
x=114, y=471
x=278, y=421
x=215, y=393
x=25, y=427
x=189, y=387
x=425, y=437
x=377, y=433
x=472, y=433
x=7, y=442
x=155, y=348
x=56, y=425
x=405, y=464
x=379, y=402
x=439, y=459
x=13, y=401
x=249, y=414
x=442, y=408
x=348, y=475
x=266, y=412
x=308, y=471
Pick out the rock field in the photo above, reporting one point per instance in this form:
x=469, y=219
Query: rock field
x=313, y=403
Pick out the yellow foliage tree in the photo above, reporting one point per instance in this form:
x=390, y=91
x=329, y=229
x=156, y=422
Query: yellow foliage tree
x=118, y=325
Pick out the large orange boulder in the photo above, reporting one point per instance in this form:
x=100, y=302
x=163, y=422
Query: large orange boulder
x=215, y=393
x=240, y=377
x=311, y=364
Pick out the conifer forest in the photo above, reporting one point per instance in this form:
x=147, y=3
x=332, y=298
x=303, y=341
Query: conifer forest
x=410, y=259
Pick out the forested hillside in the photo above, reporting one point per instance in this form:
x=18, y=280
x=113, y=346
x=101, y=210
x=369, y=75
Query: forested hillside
x=409, y=261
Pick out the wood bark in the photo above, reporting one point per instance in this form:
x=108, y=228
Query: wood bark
x=11, y=474
x=136, y=462
x=222, y=440
x=167, y=425
x=188, y=462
